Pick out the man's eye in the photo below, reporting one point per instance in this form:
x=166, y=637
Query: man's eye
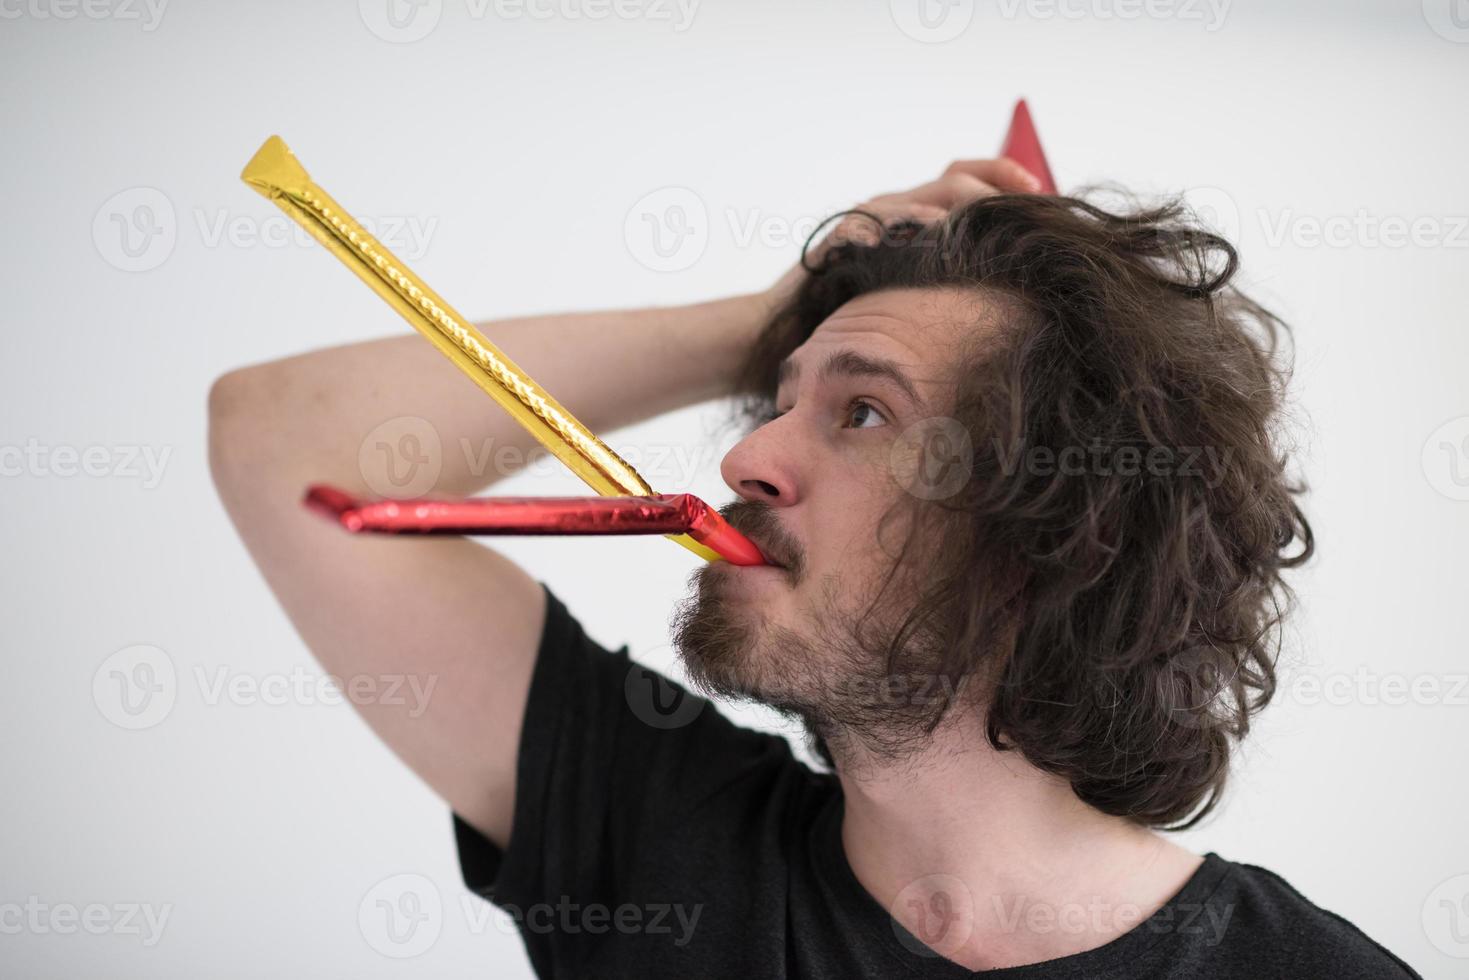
x=865, y=410
x=865, y=414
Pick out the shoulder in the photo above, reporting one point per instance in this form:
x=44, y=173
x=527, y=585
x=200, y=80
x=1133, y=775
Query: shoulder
x=1271, y=921
x=660, y=748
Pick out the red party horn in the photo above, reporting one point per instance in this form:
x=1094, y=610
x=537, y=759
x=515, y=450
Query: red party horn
x=664, y=513
x=1024, y=147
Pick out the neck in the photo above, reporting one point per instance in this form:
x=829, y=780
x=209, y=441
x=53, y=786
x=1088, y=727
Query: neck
x=1027, y=870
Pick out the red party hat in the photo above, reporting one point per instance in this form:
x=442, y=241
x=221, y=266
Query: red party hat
x=1024, y=147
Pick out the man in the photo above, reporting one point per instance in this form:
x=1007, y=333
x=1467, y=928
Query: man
x=1014, y=462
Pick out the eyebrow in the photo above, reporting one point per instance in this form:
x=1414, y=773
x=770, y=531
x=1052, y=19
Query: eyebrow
x=850, y=364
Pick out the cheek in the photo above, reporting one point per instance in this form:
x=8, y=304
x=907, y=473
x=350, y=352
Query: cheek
x=859, y=533
x=868, y=457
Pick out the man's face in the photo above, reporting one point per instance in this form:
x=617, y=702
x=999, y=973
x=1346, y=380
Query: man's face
x=814, y=485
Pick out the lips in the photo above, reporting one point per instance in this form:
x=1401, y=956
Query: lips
x=771, y=558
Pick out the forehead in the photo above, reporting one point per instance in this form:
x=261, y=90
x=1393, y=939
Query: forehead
x=921, y=331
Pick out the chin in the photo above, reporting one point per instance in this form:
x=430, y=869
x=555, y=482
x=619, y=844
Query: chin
x=728, y=646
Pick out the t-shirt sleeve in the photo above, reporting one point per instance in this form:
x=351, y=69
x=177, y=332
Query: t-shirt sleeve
x=611, y=755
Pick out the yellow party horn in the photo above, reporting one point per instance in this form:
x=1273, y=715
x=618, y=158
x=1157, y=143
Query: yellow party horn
x=275, y=172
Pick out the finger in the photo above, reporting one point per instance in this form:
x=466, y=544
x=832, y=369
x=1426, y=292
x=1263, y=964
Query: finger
x=952, y=190
x=862, y=229
x=1002, y=173
x=900, y=209
x=930, y=195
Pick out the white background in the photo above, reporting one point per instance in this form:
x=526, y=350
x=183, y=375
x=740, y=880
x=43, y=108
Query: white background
x=521, y=139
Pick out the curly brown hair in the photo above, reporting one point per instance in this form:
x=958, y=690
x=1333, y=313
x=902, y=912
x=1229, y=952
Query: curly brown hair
x=1144, y=601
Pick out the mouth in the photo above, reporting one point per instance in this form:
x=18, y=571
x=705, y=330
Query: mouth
x=771, y=559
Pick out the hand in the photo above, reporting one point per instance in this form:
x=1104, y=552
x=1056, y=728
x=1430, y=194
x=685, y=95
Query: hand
x=962, y=182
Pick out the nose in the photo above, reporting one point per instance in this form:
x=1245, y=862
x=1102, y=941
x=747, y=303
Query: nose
x=762, y=466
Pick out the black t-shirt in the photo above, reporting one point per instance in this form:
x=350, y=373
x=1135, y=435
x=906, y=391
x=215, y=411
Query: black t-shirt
x=653, y=837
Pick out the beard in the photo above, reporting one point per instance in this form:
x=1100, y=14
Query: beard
x=859, y=689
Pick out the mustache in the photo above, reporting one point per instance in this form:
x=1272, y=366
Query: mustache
x=758, y=521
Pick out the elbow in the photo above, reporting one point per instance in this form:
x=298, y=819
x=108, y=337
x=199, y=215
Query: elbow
x=234, y=408
x=226, y=397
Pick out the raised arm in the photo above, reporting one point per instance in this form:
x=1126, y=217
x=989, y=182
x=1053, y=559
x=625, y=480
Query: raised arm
x=450, y=612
